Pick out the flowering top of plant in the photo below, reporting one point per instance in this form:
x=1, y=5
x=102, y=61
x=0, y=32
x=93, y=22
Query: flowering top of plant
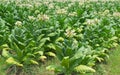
x=18, y=23
x=70, y=32
x=26, y=5
x=31, y=18
x=61, y=11
x=70, y=4
x=72, y=14
x=105, y=13
x=51, y=6
x=43, y=17
x=92, y=21
x=116, y=14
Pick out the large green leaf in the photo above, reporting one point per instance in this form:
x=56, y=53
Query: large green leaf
x=65, y=62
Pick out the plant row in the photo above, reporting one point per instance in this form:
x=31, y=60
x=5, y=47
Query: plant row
x=79, y=34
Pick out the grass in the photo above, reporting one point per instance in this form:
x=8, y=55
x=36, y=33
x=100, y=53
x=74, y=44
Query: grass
x=112, y=67
x=41, y=69
x=114, y=62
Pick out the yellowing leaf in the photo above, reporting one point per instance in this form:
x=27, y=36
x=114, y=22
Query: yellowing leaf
x=34, y=62
x=51, y=54
x=51, y=34
x=4, y=46
x=39, y=52
x=84, y=69
x=5, y=53
x=19, y=64
x=60, y=39
x=43, y=58
x=51, y=67
x=99, y=59
x=11, y=60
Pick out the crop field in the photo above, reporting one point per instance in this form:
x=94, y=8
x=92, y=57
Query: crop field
x=57, y=37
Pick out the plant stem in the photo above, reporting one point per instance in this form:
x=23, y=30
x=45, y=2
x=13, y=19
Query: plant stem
x=19, y=70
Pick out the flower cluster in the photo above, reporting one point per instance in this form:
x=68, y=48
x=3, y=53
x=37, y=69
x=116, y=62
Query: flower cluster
x=18, y=23
x=70, y=32
x=92, y=21
x=116, y=14
x=51, y=6
x=43, y=17
x=61, y=11
x=71, y=4
x=72, y=14
x=31, y=18
x=26, y=5
x=105, y=13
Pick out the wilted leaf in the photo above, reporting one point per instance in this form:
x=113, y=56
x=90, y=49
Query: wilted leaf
x=5, y=52
x=39, y=52
x=60, y=39
x=43, y=58
x=34, y=62
x=11, y=60
x=51, y=54
x=84, y=69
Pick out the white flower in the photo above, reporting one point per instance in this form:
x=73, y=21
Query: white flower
x=95, y=13
x=89, y=22
x=43, y=17
x=116, y=14
x=92, y=21
x=18, y=23
x=57, y=7
x=51, y=6
x=69, y=5
x=26, y=5
x=61, y=11
x=31, y=18
x=46, y=2
x=37, y=4
x=72, y=14
x=65, y=8
x=81, y=3
x=70, y=32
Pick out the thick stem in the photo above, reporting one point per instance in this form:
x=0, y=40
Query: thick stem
x=68, y=73
x=19, y=70
x=9, y=70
